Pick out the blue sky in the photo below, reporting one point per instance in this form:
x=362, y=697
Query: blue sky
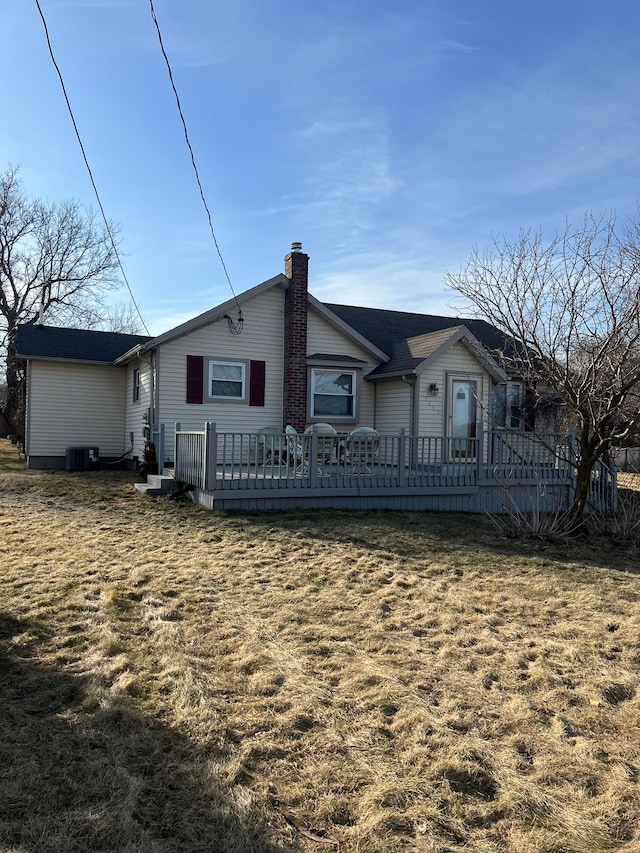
x=388, y=136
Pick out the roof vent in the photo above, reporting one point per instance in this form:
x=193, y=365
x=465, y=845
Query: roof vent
x=296, y=247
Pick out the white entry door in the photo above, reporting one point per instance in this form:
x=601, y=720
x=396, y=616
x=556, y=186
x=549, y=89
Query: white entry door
x=463, y=415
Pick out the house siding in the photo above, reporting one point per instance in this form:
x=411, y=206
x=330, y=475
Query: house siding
x=322, y=337
x=136, y=410
x=457, y=361
x=262, y=338
x=393, y=406
x=75, y=405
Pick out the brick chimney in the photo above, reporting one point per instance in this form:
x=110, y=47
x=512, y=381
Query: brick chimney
x=296, y=268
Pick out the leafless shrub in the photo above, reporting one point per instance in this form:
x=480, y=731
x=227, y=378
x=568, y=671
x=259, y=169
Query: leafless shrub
x=624, y=524
x=533, y=521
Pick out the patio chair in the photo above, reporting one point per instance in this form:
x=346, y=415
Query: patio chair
x=271, y=445
x=327, y=446
x=363, y=444
x=295, y=448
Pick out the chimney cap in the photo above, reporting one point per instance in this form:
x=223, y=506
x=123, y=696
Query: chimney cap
x=296, y=247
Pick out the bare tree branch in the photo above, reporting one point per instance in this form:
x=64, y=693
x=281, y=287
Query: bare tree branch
x=571, y=306
x=54, y=255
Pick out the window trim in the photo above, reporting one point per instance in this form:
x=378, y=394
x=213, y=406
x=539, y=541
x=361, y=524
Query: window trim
x=463, y=376
x=137, y=385
x=513, y=406
x=355, y=374
x=222, y=398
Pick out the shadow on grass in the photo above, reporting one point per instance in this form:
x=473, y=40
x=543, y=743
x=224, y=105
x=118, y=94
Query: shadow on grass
x=78, y=773
x=425, y=535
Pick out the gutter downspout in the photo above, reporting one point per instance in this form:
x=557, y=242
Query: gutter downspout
x=153, y=402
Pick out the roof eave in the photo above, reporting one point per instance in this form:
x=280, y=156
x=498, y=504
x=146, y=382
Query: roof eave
x=63, y=360
x=134, y=352
x=397, y=374
x=464, y=336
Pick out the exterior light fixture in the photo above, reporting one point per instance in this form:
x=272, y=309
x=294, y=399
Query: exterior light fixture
x=433, y=389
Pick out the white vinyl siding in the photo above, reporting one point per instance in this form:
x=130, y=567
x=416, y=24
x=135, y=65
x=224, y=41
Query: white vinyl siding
x=322, y=337
x=75, y=404
x=393, y=406
x=261, y=340
x=136, y=411
x=432, y=418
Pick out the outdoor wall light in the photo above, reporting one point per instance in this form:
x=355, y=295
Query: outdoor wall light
x=433, y=389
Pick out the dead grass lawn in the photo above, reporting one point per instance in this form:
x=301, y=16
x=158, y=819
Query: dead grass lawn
x=179, y=680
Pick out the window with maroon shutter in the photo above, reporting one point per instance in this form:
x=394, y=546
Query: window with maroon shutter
x=195, y=378
x=257, y=377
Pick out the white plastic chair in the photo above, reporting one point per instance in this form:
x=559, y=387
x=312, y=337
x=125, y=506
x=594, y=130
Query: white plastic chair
x=327, y=445
x=295, y=448
x=363, y=444
x=271, y=445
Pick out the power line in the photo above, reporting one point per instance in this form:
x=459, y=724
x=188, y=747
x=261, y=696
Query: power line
x=193, y=159
x=86, y=162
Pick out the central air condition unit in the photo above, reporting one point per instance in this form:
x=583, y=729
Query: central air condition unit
x=81, y=458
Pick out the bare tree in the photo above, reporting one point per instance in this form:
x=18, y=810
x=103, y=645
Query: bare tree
x=53, y=256
x=571, y=307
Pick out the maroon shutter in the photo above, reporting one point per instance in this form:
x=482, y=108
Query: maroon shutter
x=257, y=376
x=195, y=378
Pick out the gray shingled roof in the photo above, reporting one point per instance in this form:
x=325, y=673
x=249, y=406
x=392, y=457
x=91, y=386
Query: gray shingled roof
x=408, y=353
x=388, y=329
x=74, y=344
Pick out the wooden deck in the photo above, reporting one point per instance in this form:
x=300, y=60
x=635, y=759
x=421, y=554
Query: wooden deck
x=493, y=472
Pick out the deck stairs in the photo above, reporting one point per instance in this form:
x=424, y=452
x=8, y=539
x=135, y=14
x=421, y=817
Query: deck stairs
x=158, y=484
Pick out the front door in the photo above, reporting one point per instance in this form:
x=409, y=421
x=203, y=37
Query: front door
x=463, y=414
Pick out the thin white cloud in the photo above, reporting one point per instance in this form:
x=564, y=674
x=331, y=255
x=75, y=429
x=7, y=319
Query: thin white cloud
x=349, y=174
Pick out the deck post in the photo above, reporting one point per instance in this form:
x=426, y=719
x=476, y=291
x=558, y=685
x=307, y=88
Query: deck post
x=175, y=442
x=312, y=463
x=402, y=453
x=480, y=434
x=160, y=449
x=210, y=455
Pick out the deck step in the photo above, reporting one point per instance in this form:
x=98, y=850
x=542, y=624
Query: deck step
x=157, y=484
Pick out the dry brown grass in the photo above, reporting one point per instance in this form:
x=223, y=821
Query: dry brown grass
x=179, y=680
x=629, y=481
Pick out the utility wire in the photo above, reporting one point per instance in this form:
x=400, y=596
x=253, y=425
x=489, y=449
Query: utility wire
x=193, y=159
x=86, y=162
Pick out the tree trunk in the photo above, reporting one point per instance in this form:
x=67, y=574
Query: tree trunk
x=14, y=409
x=581, y=495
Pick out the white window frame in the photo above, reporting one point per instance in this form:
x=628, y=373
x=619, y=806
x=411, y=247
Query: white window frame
x=137, y=385
x=212, y=362
x=314, y=416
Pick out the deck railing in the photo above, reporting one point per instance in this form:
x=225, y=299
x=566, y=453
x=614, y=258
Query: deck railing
x=190, y=458
x=231, y=460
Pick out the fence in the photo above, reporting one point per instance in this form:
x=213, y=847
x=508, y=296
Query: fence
x=626, y=458
x=280, y=466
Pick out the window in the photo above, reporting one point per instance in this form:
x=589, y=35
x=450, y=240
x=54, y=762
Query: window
x=507, y=405
x=333, y=394
x=136, y=385
x=227, y=379
x=213, y=379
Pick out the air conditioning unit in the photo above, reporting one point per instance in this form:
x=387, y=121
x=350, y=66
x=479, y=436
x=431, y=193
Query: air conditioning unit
x=81, y=458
